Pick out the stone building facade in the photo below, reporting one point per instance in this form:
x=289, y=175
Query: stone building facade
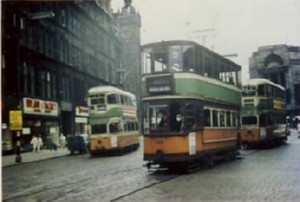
x=129, y=23
x=52, y=52
x=280, y=64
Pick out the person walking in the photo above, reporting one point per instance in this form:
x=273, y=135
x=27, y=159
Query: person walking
x=62, y=140
x=34, y=141
x=37, y=143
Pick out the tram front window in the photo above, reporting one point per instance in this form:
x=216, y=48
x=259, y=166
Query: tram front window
x=98, y=129
x=249, y=120
x=170, y=117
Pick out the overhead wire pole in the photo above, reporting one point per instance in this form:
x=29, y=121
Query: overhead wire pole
x=204, y=34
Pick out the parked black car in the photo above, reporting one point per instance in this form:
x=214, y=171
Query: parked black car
x=77, y=143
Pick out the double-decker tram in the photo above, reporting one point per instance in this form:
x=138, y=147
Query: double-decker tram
x=191, y=103
x=263, y=115
x=113, y=120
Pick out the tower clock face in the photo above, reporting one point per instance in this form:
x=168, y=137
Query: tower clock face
x=126, y=33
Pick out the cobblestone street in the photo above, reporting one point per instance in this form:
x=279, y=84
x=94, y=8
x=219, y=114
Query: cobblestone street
x=268, y=174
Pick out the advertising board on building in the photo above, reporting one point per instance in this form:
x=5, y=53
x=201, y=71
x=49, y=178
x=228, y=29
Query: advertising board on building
x=40, y=107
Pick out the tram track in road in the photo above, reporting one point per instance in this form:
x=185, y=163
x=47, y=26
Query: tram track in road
x=247, y=153
x=143, y=188
x=123, y=181
x=66, y=184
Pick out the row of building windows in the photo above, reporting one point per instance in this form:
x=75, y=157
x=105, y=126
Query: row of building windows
x=38, y=82
x=75, y=43
x=44, y=83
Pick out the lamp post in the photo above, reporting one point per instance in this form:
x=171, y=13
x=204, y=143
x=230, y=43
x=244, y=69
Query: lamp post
x=33, y=17
x=123, y=74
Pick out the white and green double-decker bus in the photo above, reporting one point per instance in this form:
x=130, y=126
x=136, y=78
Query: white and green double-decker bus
x=191, y=104
x=263, y=116
x=113, y=120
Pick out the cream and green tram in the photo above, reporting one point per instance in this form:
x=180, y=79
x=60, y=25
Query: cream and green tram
x=191, y=104
x=263, y=115
x=112, y=119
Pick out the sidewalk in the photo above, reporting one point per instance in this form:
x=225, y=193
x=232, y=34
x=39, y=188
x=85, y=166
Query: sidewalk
x=28, y=157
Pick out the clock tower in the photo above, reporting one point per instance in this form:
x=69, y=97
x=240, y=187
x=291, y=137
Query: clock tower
x=129, y=21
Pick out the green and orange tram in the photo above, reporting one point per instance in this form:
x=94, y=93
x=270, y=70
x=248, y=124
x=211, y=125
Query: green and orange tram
x=113, y=120
x=263, y=114
x=191, y=104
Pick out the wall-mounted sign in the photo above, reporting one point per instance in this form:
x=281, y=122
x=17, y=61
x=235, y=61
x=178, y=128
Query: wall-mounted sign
x=40, y=107
x=26, y=131
x=4, y=126
x=15, y=120
x=82, y=111
x=81, y=120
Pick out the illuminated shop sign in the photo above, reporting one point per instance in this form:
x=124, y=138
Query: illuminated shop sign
x=82, y=111
x=40, y=107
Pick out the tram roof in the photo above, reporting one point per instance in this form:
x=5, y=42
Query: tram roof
x=259, y=81
x=109, y=89
x=188, y=42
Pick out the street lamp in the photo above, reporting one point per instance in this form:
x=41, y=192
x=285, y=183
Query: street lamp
x=40, y=15
x=123, y=73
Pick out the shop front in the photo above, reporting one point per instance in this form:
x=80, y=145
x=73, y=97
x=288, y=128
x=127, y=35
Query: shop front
x=40, y=117
x=81, y=120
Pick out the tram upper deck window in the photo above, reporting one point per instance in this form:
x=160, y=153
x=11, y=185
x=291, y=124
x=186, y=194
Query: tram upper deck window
x=249, y=91
x=174, y=58
x=261, y=90
x=155, y=60
x=97, y=99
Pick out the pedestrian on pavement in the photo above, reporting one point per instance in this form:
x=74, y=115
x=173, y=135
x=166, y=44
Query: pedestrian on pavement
x=37, y=143
x=62, y=140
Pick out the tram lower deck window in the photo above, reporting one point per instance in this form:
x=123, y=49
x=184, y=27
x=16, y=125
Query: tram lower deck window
x=249, y=120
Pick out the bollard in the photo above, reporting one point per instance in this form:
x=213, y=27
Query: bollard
x=18, y=151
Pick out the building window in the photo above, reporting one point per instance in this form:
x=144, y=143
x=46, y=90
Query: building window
x=54, y=92
x=62, y=18
x=24, y=78
x=294, y=61
x=297, y=94
x=48, y=84
x=288, y=96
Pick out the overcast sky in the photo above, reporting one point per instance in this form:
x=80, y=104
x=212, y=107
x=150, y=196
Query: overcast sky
x=233, y=26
